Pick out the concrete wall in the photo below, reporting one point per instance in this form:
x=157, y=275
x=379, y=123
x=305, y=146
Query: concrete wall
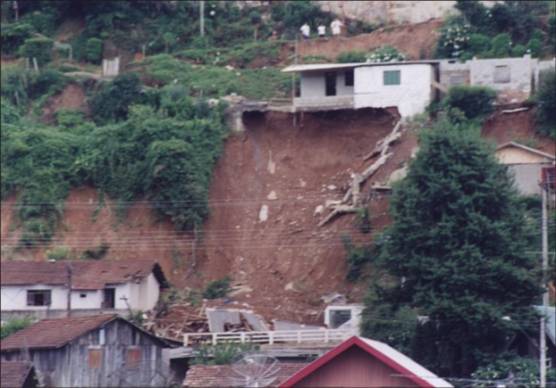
x=92, y=299
x=411, y=96
x=522, y=73
x=526, y=177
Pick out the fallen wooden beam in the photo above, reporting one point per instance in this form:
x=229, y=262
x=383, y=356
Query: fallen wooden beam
x=337, y=211
x=508, y=111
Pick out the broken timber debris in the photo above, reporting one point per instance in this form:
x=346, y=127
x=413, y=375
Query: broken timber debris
x=382, y=150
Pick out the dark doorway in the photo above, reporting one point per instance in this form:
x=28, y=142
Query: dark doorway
x=109, y=298
x=330, y=83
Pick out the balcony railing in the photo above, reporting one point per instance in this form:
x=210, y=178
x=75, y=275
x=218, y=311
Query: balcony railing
x=270, y=337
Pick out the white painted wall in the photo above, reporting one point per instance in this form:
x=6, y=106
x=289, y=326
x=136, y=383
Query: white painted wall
x=92, y=299
x=313, y=85
x=149, y=293
x=411, y=97
x=140, y=296
x=15, y=297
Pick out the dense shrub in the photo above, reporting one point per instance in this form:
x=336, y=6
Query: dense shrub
x=501, y=46
x=473, y=101
x=352, y=56
x=39, y=48
x=511, y=366
x=546, y=99
x=93, y=50
x=356, y=258
x=112, y=102
x=13, y=325
x=385, y=54
x=453, y=39
x=478, y=43
x=217, y=289
x=13, y=35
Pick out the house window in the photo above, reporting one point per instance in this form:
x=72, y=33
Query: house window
x=330, y=83
x=133, y=356
x=95, y=358
x=348, y=77
x=82, y=295
x=339, y=317
x=38, y=297
x=502, y=74
x=392, y=77
x=101, y=336
x=109, y=298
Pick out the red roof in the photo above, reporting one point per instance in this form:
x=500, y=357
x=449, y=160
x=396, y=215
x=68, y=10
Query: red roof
x=384, y=353
x=86, y=274
x=224, y=375
x=14, y=373
x=53, y=333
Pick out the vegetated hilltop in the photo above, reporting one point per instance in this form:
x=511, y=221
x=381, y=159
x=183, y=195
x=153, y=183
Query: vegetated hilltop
x=143, y=166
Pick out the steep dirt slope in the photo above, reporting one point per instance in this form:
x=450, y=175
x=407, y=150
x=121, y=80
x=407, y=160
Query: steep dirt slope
x=417, y=41
x=283, y=173
x=519, y=126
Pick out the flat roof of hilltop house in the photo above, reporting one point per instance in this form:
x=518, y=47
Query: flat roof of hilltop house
x=86, y=275
x=56, y=333
x=338, y=66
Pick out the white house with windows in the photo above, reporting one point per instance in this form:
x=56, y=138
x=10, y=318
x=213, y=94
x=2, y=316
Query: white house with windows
x=408, y=86
x=43, y=288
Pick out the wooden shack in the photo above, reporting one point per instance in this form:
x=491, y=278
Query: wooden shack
x=101, y=350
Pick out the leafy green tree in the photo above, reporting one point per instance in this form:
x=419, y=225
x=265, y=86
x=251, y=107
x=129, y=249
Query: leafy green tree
x=386, y=54
x=112, y=102
x=14, y=325
x=457, y=252
x=474, y=101
x=351, y=56
x=39, y=48
x=501, y=46
x=546, y=99
x=93, y=50
x=519, y=372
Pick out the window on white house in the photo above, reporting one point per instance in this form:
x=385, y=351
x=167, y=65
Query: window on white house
x=38, y=297
x=392, y=77
x=348, y=77
x=82, y=295
x=502, y=74
x=339, y=317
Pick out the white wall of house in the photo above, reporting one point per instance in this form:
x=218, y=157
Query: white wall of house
x=149, y=293
x=140, y=296
x=527, y=177
x=92, y=299
x=15, y=297
x=313, y=85
x=411, y=96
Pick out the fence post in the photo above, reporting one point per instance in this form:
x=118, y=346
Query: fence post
x=242, y=336
x=271, y=337
x=299, y=336
x=213, y=338
x=326, y=336
x=185, y=340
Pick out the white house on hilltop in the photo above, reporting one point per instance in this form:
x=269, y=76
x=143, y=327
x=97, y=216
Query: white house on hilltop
x=42, y=288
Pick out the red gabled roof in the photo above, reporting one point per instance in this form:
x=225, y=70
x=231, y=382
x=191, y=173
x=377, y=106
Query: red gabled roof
x=387, y=355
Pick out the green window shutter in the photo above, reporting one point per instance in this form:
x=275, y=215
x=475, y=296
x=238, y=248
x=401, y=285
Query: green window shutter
x=392, y=77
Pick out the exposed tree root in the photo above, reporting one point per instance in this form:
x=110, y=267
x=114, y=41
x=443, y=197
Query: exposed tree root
x=351, y=201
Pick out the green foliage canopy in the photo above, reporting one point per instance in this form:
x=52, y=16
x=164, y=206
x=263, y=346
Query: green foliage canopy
x=457, y=248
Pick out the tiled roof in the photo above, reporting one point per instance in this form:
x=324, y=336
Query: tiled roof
x=225, y=376
x=86, y=275
x=14, y=373
x=53, y=333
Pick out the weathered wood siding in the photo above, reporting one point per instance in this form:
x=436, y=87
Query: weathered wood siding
x=127, y=358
